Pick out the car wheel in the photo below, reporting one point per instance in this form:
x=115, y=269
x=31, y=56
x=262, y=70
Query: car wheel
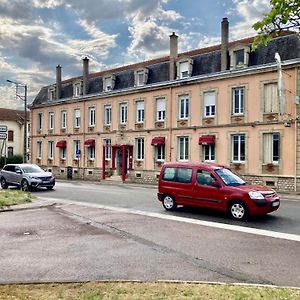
x=25, y=186
x=169, y=203
x=238, y=210
x=4, y=184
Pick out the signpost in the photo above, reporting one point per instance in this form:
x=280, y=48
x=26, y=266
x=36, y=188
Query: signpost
x=3, y=137
x=3, y=128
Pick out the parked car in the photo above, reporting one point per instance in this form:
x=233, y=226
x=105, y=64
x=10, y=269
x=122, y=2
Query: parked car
x=213, y=186
x=25, y=176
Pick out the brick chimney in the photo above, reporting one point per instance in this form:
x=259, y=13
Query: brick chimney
x=173, y=55
x=58, y=82
x=85, y=76
x=224, y=44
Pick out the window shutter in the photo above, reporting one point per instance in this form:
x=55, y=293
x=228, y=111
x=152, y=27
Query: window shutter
x=140, y=105
x=209, y=98
x=161, y=104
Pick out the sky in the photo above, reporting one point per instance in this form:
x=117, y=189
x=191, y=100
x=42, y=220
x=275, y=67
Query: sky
x=36, y=35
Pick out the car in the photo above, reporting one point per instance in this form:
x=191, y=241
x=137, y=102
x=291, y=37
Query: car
x=26, y=176
x=213, y=186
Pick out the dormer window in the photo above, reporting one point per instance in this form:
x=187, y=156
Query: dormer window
x=52, y=93
x=239, y=57
x=77, y=89
x=108, y=83
x=184, y=68
x=140, y=77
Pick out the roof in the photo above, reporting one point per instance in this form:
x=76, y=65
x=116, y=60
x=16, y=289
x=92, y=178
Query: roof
x=206, y=61
x=12, y=115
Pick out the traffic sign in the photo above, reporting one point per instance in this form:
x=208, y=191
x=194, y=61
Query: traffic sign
x=3, y=128
x=78, y=152
x=3, y=136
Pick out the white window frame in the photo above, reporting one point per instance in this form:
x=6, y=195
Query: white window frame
x=39, y=150
x=140, y=111
x=123, y=113
x=107, y=142
x=52, y=93
x=160, y=109
x=209, y=104
x=51, y=120
x=270, y=98
x=140, y=78
x=92, y=116
x=76, y=146
x=40, y=121
x=238, y=100
x=91, y=153
x=107, y=114
x=184, y=103
x=77, y=118
x=184, y=69
x=160, y=153
x=183, y=148
x=269, y=143
x=63, y=119
x=140, y=149
x=238, y=141
x=77, y=89
x=50, y=150
x=63, y=153
x=209, y=153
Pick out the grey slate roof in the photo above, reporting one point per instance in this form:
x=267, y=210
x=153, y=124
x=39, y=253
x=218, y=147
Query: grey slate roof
x=205, y=61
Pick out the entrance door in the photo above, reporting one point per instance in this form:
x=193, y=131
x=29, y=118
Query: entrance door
x=119, y=161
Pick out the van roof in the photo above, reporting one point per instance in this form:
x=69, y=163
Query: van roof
x=205, y=165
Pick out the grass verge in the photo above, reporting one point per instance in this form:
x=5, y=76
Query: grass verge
x=13, y=197
x=139, y=290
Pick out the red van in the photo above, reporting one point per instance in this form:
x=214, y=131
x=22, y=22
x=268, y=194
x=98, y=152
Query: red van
x=213, y=186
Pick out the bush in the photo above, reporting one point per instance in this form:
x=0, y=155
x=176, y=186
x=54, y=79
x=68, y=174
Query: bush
x=16, y=159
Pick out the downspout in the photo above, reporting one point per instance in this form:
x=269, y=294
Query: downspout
x=84, y=130
x=296, y=128
x=171, y=123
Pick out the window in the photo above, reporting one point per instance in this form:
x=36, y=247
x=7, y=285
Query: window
x=77, y=89
x=50, y=149
x=183, y=69
x=107, y=143
x=238, y=148
x=76, y=118
x=39, y=121
x=76, y=147
x=160, y=152
x=271, y=148
x=140, y=149
x=205, y=178
x=52, y=93
x=239, y=56
x=63, y=119
x=10, y=151
x=123, y=113
x=51, y=120
x=209, y=104
x=10, y=136
x=183, y=148
x=209, y=152
x=160, y=109
x=107, y=115
x=140, y=112
x=108, y=83
x=62, y=153
x=183, y=107
x=92, y=116
x=183, y=175
x=270, y=98
x=39, y=150
x=91, y=152
x=238, y=100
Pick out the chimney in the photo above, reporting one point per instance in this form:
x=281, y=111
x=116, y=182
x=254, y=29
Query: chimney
x=85, y=75
x=58, y=82
x=224, y=44
x=173, y=55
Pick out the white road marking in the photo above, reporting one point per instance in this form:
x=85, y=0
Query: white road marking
x=261, y=232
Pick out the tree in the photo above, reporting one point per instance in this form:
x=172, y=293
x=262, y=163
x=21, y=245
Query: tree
x=284, y=14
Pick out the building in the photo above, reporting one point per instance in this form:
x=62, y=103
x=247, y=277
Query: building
x=14, y=143
x=222, y=103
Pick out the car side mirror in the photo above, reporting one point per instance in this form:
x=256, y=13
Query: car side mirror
x=19, y=172
x=216, y=184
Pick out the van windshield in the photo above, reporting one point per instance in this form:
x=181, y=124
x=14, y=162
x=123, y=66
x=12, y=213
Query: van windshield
x=229, y=178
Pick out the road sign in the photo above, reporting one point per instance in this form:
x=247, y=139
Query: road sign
x=3, y=128
x=3, y=136
x=78, y=152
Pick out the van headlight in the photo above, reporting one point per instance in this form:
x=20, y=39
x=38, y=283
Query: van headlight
x=256, y=195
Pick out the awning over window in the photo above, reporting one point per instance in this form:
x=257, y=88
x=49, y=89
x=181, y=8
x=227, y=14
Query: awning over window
x=158, y=141
x=89, y=143
x=61, y=144
x=207, y=140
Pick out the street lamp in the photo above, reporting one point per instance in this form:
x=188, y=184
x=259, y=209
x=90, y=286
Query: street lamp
x=23, y=98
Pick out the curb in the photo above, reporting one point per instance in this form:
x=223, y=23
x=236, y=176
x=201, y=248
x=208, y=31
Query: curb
x=21, y=207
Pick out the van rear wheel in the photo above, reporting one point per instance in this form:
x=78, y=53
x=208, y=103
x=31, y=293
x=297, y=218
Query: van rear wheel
x=169, y=203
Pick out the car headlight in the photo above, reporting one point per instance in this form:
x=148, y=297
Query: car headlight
x=256, y=195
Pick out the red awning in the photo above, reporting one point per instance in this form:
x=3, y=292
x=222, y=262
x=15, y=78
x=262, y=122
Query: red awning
x=89, y=143
x=158, y=141
x=207, y=140
x=61, y=144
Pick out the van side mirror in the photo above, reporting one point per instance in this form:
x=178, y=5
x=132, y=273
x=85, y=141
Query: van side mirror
x=216, y=184
x=18, y=171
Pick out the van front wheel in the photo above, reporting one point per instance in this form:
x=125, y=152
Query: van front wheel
x=169, y=203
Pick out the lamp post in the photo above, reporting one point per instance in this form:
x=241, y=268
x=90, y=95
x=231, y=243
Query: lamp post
x=23, y=98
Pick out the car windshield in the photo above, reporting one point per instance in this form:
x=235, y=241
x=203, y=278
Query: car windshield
x=32, y=169
x=229, y=178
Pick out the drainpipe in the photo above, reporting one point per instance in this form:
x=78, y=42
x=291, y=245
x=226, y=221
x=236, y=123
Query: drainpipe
x=171, y=123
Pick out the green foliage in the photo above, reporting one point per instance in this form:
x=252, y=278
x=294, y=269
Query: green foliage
x=16, y=159
x=284, y=14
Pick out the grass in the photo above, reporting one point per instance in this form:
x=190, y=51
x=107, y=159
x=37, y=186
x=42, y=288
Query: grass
x=139, y=290
x=13, y=197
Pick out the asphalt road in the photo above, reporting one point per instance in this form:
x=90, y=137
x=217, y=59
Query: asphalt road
x=286, y=219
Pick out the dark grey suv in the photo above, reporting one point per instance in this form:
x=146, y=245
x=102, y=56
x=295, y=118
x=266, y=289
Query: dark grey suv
x=26, y=176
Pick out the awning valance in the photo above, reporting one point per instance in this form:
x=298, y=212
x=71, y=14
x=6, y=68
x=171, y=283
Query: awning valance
x=61, y=144
x=158, y=141
x=207, y=140
x=89, y=143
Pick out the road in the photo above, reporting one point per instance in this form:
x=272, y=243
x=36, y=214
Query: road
x=285, y=220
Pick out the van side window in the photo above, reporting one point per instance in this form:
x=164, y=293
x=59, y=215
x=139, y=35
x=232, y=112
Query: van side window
x=205, y=178
x=169, y=174
x=184, y=175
